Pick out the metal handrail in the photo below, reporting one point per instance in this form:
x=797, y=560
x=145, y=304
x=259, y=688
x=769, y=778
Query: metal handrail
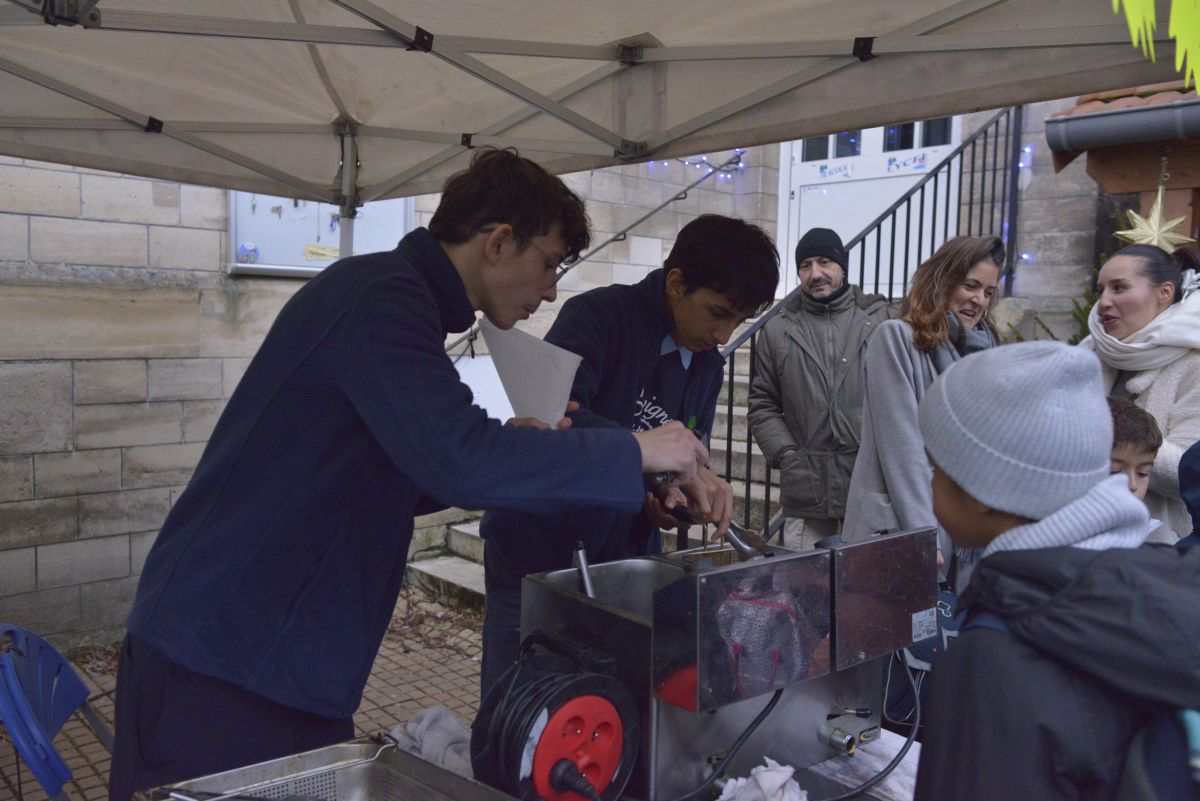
x=878, y=222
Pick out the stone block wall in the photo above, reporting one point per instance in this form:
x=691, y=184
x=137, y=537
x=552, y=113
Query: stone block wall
x=120, y=341
x=121, y=338
x=1056, y=230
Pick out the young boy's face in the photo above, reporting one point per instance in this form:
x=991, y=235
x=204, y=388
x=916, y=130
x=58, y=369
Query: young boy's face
x=703, y=318
x=961, y=515
x=1135, y=465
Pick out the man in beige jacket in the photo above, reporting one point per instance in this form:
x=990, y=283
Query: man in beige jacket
x=807, y=391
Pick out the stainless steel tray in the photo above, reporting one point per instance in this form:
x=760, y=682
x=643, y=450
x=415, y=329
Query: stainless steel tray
x=366, y=769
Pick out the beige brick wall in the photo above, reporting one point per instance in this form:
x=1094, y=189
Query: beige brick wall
x=1056, y=229
x=121, y=339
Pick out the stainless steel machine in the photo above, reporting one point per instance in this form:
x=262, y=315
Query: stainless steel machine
x=702, y=641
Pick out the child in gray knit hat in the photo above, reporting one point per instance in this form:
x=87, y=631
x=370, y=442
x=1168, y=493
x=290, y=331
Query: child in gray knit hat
x=1091, y=628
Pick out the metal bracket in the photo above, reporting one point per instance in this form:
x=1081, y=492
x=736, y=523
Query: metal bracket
x=71, y=12
x=862, y=48
x=422, y=40
x=630, y=55
x=631, y=149
x=153, y=125
x=466, y=140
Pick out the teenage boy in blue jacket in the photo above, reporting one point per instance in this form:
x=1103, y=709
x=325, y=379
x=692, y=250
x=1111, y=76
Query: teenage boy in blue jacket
x=265, y=597
x=649, y=357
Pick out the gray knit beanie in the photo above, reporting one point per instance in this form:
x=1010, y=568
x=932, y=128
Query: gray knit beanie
x=1022, y=428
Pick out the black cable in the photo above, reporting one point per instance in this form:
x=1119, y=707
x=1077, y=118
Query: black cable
x=896, y=760
x=733, y=750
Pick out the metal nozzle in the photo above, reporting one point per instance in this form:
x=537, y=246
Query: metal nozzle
x=585, y=576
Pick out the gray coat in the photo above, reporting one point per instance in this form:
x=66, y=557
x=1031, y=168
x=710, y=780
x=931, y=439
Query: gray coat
x=806, y=397
x=890, y=489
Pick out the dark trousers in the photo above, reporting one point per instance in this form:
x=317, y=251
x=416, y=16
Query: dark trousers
x=501, y=618
x=173, y=725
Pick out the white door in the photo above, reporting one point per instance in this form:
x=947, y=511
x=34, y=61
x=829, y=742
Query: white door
x=850, y=193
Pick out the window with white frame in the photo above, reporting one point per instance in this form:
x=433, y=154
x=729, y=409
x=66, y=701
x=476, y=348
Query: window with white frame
x=270, y=234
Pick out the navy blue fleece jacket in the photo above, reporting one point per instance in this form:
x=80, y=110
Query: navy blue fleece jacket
x=618, y=330
x=278, y=568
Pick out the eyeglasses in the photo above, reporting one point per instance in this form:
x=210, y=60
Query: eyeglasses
x=560, y=266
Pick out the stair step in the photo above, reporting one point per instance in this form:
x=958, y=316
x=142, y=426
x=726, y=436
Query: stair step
x=741, y=422
x=453, y=580
x=463, y=540
x=740, y=384
x=717, y=449
x=758, y=494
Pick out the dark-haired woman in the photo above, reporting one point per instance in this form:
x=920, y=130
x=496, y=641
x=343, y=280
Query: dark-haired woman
x=944, y=318
x=1146, y=330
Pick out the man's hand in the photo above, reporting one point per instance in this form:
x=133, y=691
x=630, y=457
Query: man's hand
x=672, y=449
x=658, y=506
x=710, y=500
x=533, y=422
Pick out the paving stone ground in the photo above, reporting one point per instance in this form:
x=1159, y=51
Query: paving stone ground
x=429, y=657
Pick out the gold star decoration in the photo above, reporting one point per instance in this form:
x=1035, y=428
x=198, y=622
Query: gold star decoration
x=1153, y=230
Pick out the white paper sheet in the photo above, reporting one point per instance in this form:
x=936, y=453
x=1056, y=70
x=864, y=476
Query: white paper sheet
x=536, y=375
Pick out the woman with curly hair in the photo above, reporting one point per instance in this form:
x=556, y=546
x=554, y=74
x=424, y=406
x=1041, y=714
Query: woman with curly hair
x=944, y=318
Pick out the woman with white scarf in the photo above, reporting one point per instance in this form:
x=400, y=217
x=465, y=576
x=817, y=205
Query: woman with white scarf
x=1146, y=330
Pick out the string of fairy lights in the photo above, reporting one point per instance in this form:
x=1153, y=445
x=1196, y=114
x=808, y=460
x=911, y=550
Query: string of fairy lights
x=702, y=164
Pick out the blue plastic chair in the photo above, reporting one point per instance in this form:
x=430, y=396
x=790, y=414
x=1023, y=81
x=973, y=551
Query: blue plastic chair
x=39, y=691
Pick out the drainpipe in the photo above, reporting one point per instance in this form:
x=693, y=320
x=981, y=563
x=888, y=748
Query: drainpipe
x=1125, y=126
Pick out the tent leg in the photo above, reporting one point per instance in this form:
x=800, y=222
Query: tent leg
x=349, y=198
x=346, y=228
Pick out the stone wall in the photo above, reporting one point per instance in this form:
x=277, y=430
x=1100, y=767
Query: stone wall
x=120, y=340
x=121, y=337
x=1056, y=231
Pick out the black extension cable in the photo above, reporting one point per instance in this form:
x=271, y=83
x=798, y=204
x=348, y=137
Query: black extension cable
x=733, y=750
x=896, y=760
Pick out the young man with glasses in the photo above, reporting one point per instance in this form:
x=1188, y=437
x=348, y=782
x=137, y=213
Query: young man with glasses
x=650, y=358
x=265, y=597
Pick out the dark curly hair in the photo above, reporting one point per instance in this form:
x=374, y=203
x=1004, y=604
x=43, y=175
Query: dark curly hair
x=500, y=186
x=730, y=256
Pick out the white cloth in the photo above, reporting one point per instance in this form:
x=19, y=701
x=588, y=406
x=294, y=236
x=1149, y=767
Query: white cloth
x=769, y=782
x=1166, y=338
x=1108, y=516
x=437, y=736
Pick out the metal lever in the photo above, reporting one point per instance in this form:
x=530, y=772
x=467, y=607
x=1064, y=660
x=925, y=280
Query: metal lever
x=585, y=576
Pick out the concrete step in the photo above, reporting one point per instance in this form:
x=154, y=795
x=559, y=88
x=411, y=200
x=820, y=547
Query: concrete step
x=463, y=540
x=454, y=581
x=741, y=390
x=741, y=423
x=717, y=449
x=758, y=494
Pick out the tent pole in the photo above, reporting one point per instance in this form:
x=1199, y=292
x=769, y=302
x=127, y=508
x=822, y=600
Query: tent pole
x=349, y=197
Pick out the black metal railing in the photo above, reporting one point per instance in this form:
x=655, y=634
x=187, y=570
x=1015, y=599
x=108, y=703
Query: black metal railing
x=972, y=191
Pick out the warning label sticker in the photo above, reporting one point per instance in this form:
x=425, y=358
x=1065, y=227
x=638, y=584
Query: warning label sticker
x=924, y=624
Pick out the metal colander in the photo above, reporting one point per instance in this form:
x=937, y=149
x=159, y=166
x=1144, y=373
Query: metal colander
x=366, y=769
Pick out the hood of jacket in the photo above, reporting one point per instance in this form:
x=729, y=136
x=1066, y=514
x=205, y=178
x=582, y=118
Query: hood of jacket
x=1127, y=617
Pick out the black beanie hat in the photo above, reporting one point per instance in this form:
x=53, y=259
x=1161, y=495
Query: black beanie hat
x=821, y=242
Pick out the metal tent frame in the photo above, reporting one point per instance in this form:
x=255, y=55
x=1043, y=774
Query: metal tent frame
x=589, y=142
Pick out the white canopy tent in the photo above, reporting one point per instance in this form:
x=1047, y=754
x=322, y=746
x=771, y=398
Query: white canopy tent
x=348, y=101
